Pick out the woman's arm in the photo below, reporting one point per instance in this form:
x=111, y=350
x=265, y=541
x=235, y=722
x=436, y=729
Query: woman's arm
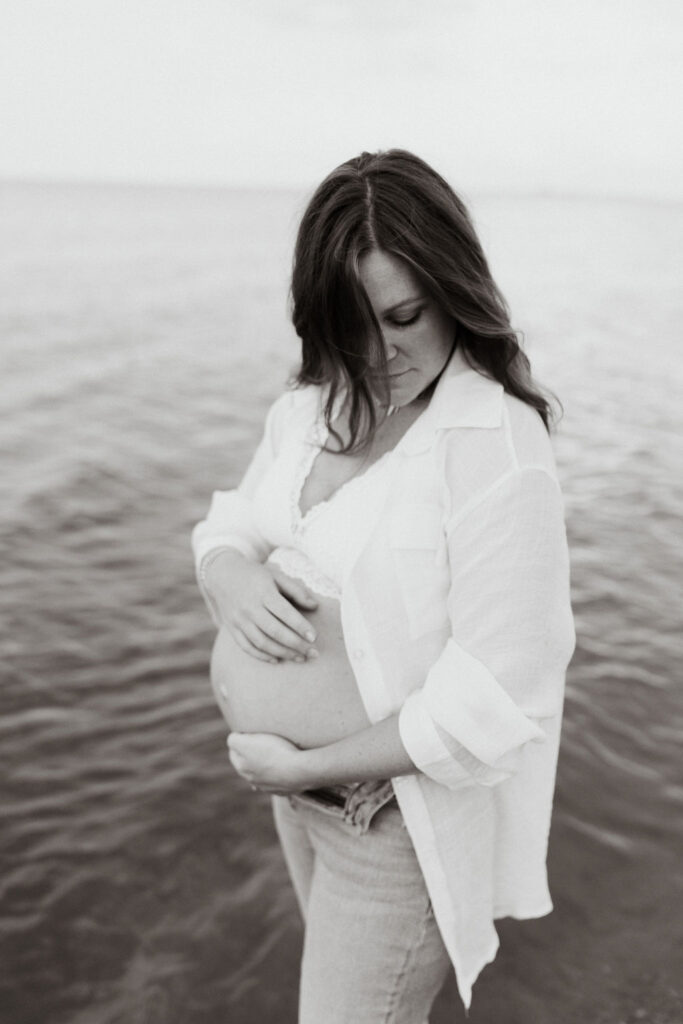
x=252, y=601
x=275, y=765
x=502, y=671
x=229, y=523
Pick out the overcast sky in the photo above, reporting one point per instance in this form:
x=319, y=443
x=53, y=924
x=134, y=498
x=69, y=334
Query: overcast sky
x=523, y=95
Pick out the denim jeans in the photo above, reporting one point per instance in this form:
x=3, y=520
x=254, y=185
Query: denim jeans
x=355, y=804
x=372, y=951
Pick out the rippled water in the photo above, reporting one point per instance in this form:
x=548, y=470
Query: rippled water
x=143, y=333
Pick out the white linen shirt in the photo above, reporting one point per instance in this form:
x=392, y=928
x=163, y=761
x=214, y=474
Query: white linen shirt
x=457, y=615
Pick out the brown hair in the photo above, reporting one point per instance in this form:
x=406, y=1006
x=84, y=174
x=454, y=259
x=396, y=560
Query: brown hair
x=395, y=202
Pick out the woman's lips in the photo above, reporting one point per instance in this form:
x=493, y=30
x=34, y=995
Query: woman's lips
x=401, y=372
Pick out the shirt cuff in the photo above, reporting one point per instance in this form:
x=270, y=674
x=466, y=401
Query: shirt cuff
x=229, y=524
x=462, y=726
x=220, y=542
x=466, y=700
x=424, y=746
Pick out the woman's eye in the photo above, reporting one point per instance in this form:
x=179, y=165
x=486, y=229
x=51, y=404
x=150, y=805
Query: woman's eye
x=411, y=320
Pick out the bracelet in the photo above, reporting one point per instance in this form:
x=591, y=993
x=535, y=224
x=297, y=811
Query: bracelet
x=210, y=558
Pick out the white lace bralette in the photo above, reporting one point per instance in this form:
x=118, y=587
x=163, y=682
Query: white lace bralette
x=327, y=537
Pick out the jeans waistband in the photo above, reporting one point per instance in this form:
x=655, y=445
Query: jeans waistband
x=354, y=804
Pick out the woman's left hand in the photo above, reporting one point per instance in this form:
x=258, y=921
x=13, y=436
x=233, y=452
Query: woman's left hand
x=268, y=762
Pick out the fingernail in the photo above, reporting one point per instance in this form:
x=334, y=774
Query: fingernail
x=310, y=635
x=313, y=653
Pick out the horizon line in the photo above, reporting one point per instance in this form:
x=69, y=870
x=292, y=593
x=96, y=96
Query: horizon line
x=503, y=192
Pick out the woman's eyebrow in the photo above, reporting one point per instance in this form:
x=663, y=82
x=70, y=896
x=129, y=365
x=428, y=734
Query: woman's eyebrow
x=403, y=302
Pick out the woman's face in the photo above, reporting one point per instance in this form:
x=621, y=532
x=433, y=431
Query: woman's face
x=418, y=335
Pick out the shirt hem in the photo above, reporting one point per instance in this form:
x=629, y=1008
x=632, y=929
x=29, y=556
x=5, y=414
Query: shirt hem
x=524, y=913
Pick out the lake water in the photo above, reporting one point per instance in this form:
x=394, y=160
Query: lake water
x=143, y=333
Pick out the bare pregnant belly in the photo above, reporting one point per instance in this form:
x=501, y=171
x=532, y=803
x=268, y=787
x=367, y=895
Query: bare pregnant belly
x=311, y=704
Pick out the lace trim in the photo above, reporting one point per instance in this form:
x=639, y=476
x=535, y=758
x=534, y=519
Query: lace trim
x=295, y=563
x=311, y=448
x=312, y=444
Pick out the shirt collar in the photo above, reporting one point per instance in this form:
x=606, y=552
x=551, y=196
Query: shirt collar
x=463, y=397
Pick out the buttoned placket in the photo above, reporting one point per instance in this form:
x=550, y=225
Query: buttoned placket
x=367, y=670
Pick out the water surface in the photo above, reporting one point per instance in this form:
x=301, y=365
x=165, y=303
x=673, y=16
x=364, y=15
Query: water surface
x=143, y=333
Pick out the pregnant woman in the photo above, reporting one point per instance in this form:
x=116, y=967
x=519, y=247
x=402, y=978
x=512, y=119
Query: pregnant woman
x=390, y=583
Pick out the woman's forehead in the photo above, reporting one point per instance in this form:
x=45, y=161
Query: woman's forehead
x=387, y=280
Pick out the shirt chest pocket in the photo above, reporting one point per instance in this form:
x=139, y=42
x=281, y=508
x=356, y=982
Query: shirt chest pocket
x=418, y=549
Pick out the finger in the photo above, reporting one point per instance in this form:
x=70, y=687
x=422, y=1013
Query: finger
x=288, y=643
x=237, y=761
x=290, y=617
x=260, y=640
x=235, y=743
x=242, y=641
x=295, y=590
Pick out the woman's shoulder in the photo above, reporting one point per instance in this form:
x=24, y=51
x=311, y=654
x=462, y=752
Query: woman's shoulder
x=295, y=404
x=527, y=434
x=475, y=460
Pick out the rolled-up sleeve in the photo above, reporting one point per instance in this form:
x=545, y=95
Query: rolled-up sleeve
x=230, y=521
x=502, y=670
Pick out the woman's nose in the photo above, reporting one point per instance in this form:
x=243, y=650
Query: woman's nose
x=391, y=351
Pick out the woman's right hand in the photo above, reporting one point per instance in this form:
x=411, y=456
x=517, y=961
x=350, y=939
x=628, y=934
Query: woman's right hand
x=252, y=601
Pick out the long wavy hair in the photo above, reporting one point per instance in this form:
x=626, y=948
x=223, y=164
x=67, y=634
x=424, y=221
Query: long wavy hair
x=395, y=202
